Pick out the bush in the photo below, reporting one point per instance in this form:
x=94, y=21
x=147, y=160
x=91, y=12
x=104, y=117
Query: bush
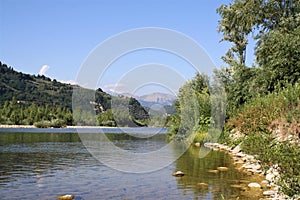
x=258, y=114
x=56, y=123
x=42, y=124
x=285, y=154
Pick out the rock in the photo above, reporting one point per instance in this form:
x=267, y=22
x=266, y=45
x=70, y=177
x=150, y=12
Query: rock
x=254, y=185
x=270, y=177
x=269, y=192
x=240, y=154
x=197, y=144
x=178, y=174
x=202, y=184
x=236, y=149
x=66, y=197
x=239, y=162
x=223, y=168
x=236, y=186
x=213, y=171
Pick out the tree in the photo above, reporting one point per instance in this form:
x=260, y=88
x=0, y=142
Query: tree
x=274, y=24
x=237, y=21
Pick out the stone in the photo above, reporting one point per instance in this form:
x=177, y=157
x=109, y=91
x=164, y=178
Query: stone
x=197, y=144
x=178, y=174
x=240, y=154
x=254, y=185
x=223, y=168
x=202, y=184
x=66, y=197
x=236, y=186
x=236, y=149
x=213, y=171
x=270, y=177
x=269, y=192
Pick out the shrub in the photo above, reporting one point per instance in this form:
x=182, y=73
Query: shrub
x=285, y=154
x=258, y=114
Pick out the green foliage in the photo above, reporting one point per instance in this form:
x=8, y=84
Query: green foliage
x=278, y=55
x=28, y=99
x=285, y=154
x=192, y=118
x=274, y=26
x=16, y=113
x=258, y=114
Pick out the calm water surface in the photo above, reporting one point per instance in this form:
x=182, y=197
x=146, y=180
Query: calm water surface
x=44, y=165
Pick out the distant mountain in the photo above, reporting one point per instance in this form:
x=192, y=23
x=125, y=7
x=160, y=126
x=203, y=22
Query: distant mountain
x=150, y=99
x=156, y=98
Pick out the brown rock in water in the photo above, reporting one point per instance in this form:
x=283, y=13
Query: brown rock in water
x=202, y=184
x=197, y=144
x=213, y=171
x=66, y=197
x=223, y=168
x=236, y=186
x=178, y=174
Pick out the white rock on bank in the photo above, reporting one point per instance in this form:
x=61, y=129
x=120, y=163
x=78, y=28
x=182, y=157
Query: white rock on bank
x=269, y=192
x=236, y=149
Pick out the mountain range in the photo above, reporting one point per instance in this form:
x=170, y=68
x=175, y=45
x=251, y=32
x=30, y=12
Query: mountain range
x=151, y=99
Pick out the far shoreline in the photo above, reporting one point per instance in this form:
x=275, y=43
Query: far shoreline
x=32, y=126
x=67, y=127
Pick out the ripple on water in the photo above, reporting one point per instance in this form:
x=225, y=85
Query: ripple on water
x=44, y=170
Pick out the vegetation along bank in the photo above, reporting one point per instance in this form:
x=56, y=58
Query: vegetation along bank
x=262, y=100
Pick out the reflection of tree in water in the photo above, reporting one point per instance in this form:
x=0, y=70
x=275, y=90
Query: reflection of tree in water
x=37, y=154
x=196, y=171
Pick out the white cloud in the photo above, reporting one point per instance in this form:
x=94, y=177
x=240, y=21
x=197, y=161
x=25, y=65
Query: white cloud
x=115, y=88
x=72, y=82
x=43, y=69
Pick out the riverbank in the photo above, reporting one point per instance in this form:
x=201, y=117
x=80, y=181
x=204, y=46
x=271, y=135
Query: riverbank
x=32, y=126
x=251, y=165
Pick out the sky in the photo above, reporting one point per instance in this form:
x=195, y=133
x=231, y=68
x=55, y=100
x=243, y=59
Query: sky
x=56, y=37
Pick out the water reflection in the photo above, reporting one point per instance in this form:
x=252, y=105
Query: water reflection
x=44, y=165
x=203, y=181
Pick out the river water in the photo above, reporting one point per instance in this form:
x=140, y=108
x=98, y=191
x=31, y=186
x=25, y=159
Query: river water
x=45, y=164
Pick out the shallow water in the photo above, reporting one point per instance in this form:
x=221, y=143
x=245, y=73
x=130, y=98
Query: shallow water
x=45, y=165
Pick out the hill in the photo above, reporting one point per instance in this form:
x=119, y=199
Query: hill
x=27, y=90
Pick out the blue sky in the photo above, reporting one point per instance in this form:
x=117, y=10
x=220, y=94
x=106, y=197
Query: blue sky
x=62, y=33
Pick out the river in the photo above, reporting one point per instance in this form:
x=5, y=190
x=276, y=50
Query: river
x=42, y=164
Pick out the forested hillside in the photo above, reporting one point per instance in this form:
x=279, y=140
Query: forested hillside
x=29, y=99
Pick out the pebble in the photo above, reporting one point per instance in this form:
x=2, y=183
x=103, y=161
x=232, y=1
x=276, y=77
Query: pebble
x=202, y=184
x=269, y=192
x=223, y=168
x=213, y=171
x=254, y=185
x=178, y=174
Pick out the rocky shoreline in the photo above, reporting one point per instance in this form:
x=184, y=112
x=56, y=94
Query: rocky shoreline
x=252, y=166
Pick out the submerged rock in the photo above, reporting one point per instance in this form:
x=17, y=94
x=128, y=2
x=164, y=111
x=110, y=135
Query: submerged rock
x=197, y=144
x=236, y=186
x=223, y=168
x=254, y=185
x=202, y=184
x=213, y=171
